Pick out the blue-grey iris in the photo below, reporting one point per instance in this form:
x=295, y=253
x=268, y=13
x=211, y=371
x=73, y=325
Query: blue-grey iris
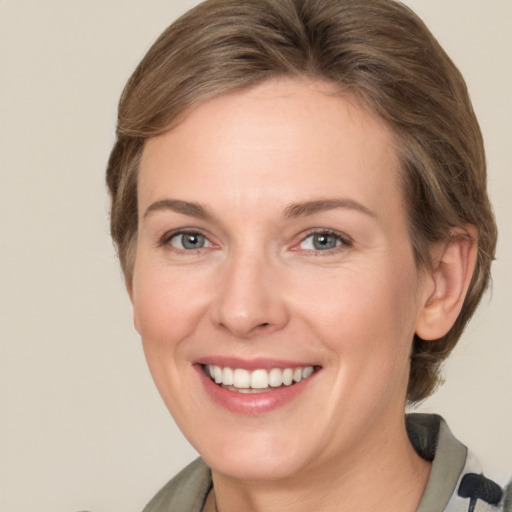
x=324, y=241
x=192, y=240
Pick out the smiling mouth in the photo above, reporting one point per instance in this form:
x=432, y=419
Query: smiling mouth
x=241, y=380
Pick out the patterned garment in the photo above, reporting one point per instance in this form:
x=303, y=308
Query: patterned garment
x=456, y=483
x=476, y=493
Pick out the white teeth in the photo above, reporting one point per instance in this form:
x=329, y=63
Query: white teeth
x=307, y=372
x=244, y=380
x=217, y=374
x=241, y=378
x=227, y=376
x=287, y=376
x=259, y=379
x=275, y=377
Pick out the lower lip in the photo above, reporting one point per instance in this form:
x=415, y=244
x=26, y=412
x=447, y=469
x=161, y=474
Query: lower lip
x=251, y=404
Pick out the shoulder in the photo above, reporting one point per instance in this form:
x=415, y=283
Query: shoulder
x=456, y=482
x=480, y=491
x=187, y=491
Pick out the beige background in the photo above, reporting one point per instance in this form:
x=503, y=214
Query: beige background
x=82, y=427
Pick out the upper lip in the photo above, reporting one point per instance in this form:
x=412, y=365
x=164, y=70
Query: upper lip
x=258, y=363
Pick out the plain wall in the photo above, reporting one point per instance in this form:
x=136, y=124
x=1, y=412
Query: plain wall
x=82, y=426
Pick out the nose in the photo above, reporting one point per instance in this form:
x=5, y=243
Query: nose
x=249, y=300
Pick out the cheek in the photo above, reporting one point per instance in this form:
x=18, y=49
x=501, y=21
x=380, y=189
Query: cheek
x=366, y=318
x=167, y=305
x=379, y=300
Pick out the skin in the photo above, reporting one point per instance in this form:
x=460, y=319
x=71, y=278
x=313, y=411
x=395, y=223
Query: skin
x=259, y=288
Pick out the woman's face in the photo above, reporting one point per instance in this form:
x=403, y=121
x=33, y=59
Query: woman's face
x=273, y=237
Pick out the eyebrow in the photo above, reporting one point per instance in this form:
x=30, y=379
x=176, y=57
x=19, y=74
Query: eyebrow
x=320, y=205
x=293, y=210
x=183, y=207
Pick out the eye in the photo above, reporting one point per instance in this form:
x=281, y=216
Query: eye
x=188, y=241
x=323, y=241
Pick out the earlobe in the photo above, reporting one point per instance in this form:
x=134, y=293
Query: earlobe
x=448, y=283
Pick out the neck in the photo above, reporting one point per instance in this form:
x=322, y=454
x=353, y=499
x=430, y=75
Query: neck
x=382, y=474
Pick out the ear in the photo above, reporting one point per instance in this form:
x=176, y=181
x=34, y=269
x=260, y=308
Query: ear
x=447, y=285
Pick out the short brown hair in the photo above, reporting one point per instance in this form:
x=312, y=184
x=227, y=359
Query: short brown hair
x=376, y=50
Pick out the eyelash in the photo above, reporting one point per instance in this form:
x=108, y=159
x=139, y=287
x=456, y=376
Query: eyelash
x=345, y=241
x=166, y=238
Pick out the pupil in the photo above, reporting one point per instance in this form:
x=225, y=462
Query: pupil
x=193, y=241
x=324, y=242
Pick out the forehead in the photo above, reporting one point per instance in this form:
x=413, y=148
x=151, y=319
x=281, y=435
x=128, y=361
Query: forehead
x=274, y=142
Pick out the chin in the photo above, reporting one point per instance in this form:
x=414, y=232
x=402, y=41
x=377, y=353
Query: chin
x=255, y=456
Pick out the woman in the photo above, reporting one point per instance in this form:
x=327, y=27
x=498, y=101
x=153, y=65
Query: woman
x=300, y=209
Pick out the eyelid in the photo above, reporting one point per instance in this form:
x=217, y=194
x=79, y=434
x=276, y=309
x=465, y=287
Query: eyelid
x=346, y=240
x=164, y=240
